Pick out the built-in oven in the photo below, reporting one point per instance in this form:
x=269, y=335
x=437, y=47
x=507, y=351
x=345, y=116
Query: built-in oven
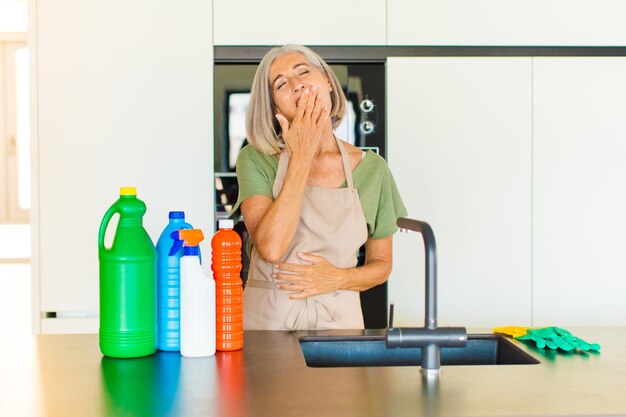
x=364, y=126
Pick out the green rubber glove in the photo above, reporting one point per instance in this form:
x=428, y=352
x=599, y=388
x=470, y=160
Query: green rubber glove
x=557, y=338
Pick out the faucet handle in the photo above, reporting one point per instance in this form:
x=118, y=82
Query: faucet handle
x=391, y=305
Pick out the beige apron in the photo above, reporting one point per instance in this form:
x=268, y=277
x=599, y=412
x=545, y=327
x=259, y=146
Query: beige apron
x=331, y=225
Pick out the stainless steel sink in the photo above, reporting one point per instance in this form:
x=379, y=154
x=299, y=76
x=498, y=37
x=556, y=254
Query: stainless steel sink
x=345, y=351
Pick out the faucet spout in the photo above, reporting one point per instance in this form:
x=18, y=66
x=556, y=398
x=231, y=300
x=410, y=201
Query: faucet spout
x=430, y=338
x=430, y=250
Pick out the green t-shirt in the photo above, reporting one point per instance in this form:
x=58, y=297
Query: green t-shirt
x=372, y=178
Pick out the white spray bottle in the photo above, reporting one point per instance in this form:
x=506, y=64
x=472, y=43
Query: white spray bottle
x=197, y=298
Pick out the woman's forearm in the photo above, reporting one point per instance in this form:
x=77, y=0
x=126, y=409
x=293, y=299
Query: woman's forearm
x=275, y=229
x=377, y=266
x=364, y=277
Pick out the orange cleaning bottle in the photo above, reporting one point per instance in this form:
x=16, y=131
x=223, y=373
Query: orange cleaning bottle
x=226, y=266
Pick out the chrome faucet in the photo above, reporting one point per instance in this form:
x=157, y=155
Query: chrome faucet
x=430, y=337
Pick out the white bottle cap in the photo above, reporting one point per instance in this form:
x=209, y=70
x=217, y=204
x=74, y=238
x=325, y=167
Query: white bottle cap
x=226, y=224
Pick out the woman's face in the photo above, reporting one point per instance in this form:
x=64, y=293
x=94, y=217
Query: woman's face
x=290, y=74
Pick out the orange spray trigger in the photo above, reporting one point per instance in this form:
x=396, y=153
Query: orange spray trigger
x=192, y=237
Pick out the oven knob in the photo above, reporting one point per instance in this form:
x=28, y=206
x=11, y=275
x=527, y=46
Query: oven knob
x=367, y=105
x=367, y=127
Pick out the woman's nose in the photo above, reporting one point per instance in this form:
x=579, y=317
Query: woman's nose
x=297, y=85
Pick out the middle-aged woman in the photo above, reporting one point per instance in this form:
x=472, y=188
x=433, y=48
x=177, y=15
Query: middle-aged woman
x=309, y=201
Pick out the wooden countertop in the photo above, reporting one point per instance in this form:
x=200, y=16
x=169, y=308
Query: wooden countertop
x=65, y=375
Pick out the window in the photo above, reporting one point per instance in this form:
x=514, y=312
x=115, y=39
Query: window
x=14, y=132
x=15, y=191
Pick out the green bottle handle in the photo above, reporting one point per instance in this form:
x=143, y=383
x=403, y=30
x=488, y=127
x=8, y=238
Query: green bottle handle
x=103, y=226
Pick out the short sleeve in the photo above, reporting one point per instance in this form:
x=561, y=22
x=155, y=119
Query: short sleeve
x=255, y=176
x=379, y=196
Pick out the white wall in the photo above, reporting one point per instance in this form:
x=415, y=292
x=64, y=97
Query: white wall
x=123, y=97
x=116, y=82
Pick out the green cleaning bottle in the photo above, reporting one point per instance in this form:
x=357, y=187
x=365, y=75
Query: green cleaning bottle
x=128, y=313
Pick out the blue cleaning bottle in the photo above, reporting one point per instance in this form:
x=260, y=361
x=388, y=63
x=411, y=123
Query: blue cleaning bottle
x=168, y=284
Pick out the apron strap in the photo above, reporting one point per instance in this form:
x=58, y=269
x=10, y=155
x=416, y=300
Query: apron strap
x=283, y=162
x=347, y=168
x=257, y=283
x=304, y=314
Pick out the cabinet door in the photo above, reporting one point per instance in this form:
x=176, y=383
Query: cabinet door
x=459, y=146
x=513, y=23
x=127, y=104
x=579, y=199
x=324, y=22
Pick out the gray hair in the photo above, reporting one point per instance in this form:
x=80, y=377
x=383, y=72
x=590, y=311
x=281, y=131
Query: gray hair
x=262, y=128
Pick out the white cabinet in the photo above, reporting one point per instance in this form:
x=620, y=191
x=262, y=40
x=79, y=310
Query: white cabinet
x=324, y=22
x=507, y=22
x=459, y=147
x=524, y=183
x=123, y=97
x=579, y=165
